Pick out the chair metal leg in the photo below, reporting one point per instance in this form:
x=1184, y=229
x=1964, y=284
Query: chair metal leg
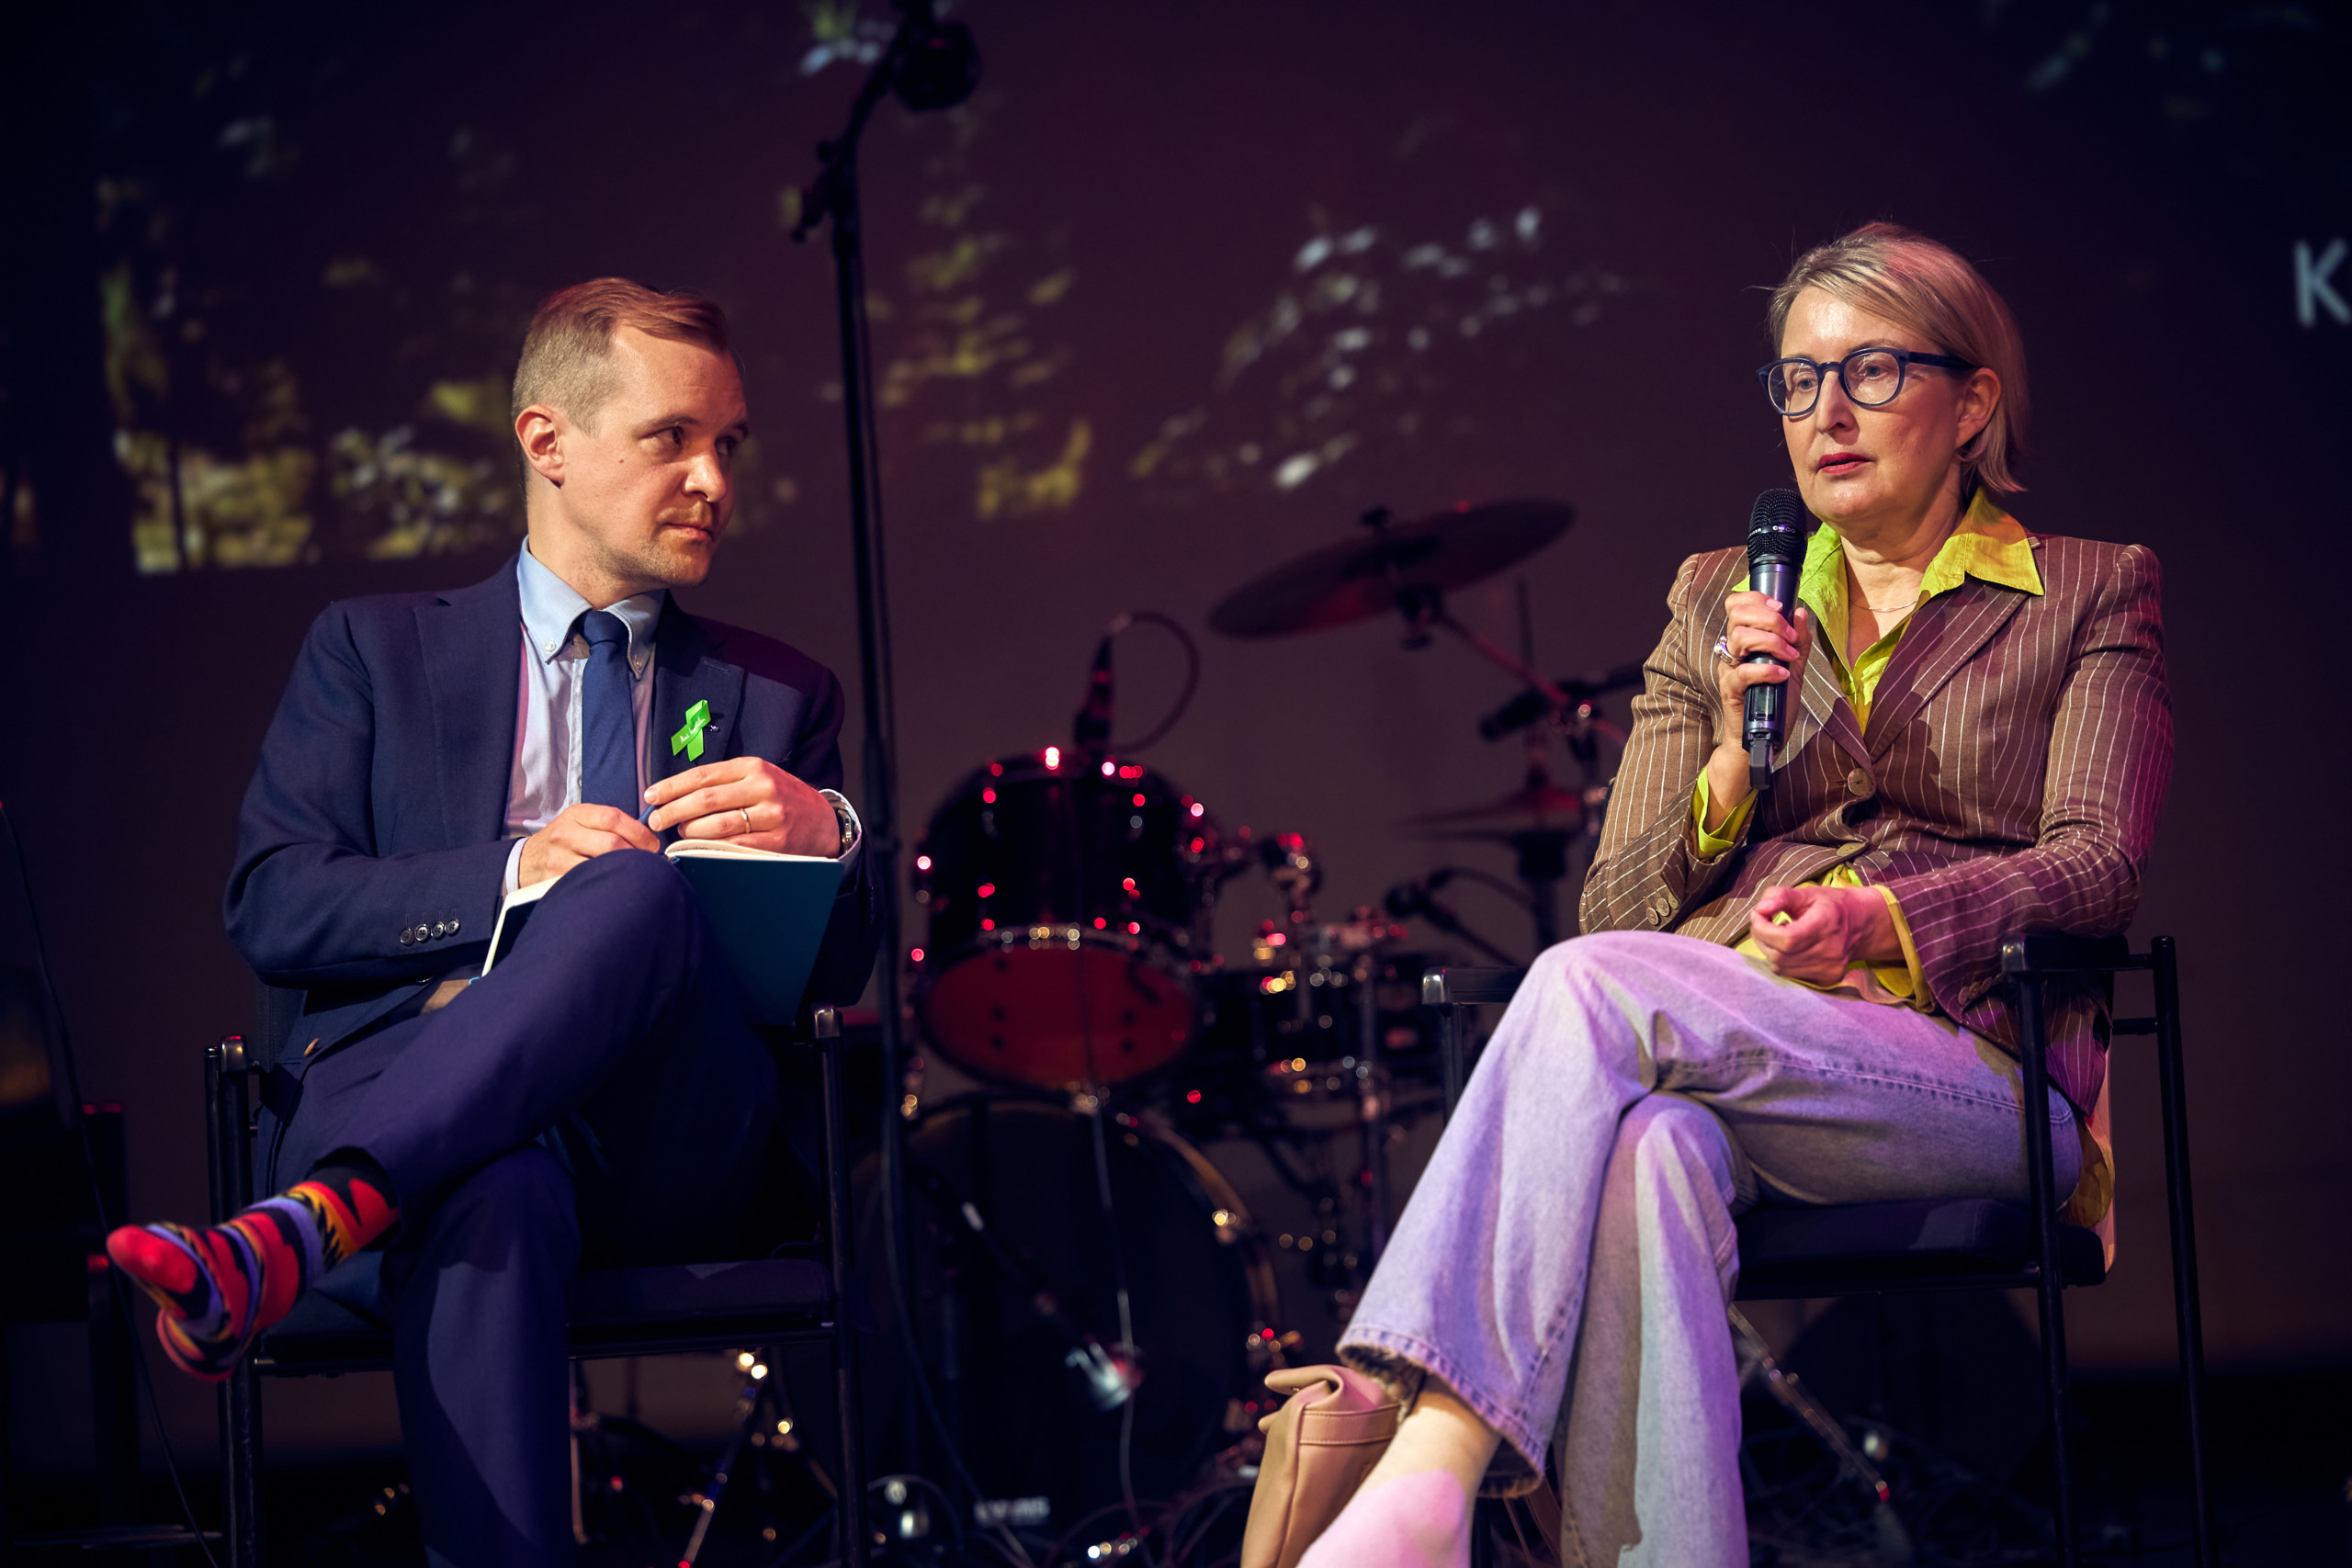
x=855, y=1540
x=1452, y=1048
x=2188, y=1324
x=2049, y=1288
x=229, y=1156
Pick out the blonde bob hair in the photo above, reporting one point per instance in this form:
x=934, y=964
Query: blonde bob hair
x=1929, y=288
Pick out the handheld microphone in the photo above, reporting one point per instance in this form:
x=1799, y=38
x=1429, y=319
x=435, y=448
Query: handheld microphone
x=1775, y=550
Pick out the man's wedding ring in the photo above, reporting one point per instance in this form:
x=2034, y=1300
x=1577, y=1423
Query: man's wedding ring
x=746, y=817
x=1723, y=650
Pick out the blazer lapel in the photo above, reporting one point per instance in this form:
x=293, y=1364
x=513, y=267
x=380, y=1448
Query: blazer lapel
x=472, y=644
x=687, y=671
x=1946, y=633
x=1821, y=709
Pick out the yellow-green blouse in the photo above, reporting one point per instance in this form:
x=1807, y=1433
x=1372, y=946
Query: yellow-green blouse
x=1989, y=544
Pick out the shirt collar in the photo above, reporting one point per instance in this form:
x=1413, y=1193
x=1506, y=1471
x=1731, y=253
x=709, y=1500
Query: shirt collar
x=1989, y=544
x=551, y=609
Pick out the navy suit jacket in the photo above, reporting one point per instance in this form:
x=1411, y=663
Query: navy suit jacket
x=371, y=849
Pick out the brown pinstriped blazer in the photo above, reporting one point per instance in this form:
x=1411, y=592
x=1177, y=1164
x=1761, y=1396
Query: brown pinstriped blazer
x=2018, y=756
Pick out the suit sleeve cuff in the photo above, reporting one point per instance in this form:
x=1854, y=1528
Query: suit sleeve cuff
x=1920, y=996
x=513, y=869
x=1712, y=845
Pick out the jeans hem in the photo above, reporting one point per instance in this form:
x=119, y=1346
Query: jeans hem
x=1378, y=1352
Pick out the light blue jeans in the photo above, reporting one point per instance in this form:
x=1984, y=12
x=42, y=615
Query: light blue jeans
x=1568, y=1257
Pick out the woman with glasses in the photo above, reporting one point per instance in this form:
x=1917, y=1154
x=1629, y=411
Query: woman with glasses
x=1788, y=997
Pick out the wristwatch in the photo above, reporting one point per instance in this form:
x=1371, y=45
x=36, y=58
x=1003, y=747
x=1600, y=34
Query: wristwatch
x=851, y=829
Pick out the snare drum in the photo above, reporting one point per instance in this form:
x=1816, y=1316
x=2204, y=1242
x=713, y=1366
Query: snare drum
x=1068, y=903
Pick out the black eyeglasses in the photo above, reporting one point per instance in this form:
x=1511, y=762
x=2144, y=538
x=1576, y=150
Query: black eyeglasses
x=1872, y=377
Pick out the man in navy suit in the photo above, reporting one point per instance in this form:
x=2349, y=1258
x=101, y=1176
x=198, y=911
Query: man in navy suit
x=602, y=1092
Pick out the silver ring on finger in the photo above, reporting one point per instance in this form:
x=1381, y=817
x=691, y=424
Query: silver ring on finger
x=1722, y=649
x=746, y=817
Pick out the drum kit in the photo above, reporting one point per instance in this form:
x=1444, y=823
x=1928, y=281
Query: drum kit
x=1085, y=1287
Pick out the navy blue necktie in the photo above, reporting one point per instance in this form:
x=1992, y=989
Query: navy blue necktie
x=607, y=716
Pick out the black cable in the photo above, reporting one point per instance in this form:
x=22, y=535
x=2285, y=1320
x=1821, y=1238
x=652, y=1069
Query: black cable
x=90, y=1168
x=1127, y=1327
x=921, y=1374
x=1191, y=675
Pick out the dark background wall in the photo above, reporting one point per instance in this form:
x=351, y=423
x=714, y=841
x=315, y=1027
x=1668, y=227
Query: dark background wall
x=1122, y=371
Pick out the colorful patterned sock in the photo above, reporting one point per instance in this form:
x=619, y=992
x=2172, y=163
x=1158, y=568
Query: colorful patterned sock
x=217, y=1286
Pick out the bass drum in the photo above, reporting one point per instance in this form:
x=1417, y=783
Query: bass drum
x=1067, y=905
x=1008, y=1312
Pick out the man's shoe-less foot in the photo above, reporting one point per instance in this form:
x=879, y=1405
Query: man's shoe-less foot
x=217, y=1286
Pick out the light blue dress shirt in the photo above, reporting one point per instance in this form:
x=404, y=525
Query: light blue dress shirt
x=546, y=776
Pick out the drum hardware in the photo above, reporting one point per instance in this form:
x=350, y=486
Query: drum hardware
x=1403, y=566
x=1292, y=867
x=1410, y=900
x=1017, y=1267
x=1540, y=821
x=1409, y=568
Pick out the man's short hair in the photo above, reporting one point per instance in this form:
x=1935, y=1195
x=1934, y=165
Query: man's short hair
x=567, y=360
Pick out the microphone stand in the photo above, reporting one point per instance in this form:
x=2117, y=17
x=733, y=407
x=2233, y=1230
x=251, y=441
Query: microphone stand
x=920, y=51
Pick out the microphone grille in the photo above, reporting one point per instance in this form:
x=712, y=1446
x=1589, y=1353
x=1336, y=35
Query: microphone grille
x=1776, y=526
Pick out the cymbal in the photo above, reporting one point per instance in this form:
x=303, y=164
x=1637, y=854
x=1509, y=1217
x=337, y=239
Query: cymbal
x=1536, y=808
x=1363, y=577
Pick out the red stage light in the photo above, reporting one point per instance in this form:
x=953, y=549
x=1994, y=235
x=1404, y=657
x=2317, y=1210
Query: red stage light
x=1138, y=800
x=1053, y=758
x=987, y=889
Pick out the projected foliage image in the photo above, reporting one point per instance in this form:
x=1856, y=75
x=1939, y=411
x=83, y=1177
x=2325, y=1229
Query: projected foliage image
x=320, y=248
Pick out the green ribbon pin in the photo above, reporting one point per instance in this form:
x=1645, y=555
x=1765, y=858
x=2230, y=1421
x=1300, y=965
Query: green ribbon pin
x=689, y=740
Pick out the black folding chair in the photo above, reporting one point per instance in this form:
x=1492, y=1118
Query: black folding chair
x=796, y=1296
x=1971, y=1243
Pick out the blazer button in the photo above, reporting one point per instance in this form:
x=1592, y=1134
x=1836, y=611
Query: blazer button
x=453, y=927
x=440, y=927
x=1859, y=785
x=408, y=936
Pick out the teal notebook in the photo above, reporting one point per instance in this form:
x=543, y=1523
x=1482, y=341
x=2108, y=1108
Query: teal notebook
x=769, y=911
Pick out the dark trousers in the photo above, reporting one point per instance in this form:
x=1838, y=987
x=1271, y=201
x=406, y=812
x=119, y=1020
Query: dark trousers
x=600, y=1095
